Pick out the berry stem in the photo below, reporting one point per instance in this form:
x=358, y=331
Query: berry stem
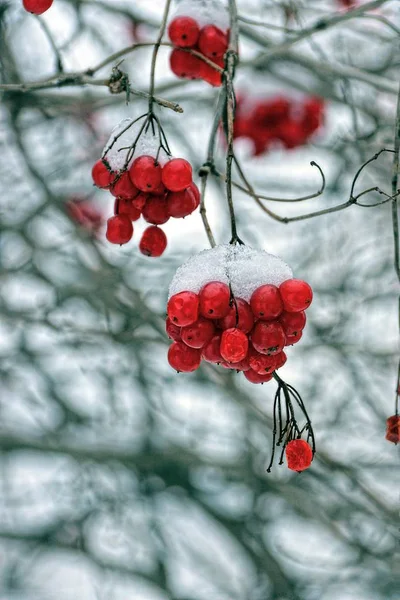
x=155, y=53
x=395, y=221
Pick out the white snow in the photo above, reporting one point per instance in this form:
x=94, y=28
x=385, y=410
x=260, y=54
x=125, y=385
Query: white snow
x=205, y=12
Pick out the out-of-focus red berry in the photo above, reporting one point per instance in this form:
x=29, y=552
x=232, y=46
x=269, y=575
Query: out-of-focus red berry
x=185, y=65
x=213, y=42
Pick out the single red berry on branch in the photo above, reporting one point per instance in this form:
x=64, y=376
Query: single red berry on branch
x=119, y=229
x=123, y=187
x=213, y=42
x=181, y=204
x=234, y=345
x=261, y=363
x=185, y=65
x=268, y=338
x=37, y=7
x=102, y=176
x=299, y=455
x=254, y=377
x=153, y=242
x=214, y=300
x=182, y=358
x=155, y=210
x=296, y=295
x=177, y=174
x=292, y=323
x=199, y=334
x=184, y=32
x=145, y=173
x=183, y=308
x=266, y=302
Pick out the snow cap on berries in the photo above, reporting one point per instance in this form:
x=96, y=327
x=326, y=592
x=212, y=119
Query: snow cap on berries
x=205, y=12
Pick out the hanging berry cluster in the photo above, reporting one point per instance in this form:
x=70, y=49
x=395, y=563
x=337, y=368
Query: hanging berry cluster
x=37, y=7
x=202, y=27
x=277, y=120
x=146, y=181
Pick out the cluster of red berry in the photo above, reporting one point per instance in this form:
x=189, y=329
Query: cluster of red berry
x=278, y=120
x=37, y=7
x=249, y=337
x=393, y=429
x=210, y=41
x=156, y=192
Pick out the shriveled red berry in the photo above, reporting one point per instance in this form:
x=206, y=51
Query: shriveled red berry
x=199, y=333
x=261, y=363
x=153, y=242
x=181, y=204
x=292, y=323
x=182, y=358
x=183, y=308
x=296, y=295
x=101, y=175
x=177, y=174
x=119, y=229
x=145, y=173
x=254, y=377
x=268, y=338
x=211, y=351
x=211, y=75
x=240, y=315
x=173, y=331
x=122, y=187
x=155, y=210
x=280, y=360
x=125, y=207
x=184, y=32
x=213, y=42
x=293, y=339
x=37, y=7
x=234, y=345
x=266, y=302
x=214, y=300
x=185, y=65
x=393, y=429
x=299, y=455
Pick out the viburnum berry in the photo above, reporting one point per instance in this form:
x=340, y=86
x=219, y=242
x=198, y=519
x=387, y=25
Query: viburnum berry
x=196, y=193
x=140, y=200
x=37, y=7
x=182, y=358
x=153, y=242
x=155, y=210
x=293, y=339
x=240, y=315
x=123, y=187
x=261, y=363
x=199, y=334
x=211, y=75
x=145, y=173
x=181, y=204
x=173, y=331
x=299, y=455
x=296, y=295
x=213, y=42
x=177, y=174
x=254, y=377
x=393, y=429
x=102, y=175
x=125, y=207
x=234, y=345
x=211, y=351
x=291, y=133
x=214, y=300
x=184, y=32
x=185, y=65
x=292, y=323
x=161, y=190
x=280, y=360
x=119, y=229
x=266, y=302
x=183, y=308
x=268, y=338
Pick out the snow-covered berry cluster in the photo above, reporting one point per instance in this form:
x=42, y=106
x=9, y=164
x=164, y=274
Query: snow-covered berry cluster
x=279, y=120
x=202, y=26
x=393, y=429
x=236, y=307
x=37, y=7
x=145, y=181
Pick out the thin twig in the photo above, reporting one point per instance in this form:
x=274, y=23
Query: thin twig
x=155, y=53
x=395, y=221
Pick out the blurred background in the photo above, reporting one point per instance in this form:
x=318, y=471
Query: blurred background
x=119, y=477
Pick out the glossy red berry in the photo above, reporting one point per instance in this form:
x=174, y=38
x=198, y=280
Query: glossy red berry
x=266, y=302
x=181, y=204
x=299, y=455
x=268, y=338
x=296, y=295
x=199, y=334
x=254, y=377
x=234, y=345
x=119, y=229
x=173, y=331
x=393, y=429
x=183, y=308
x=211, y=351
x=125, y=207
x=184, y=32
x=292, y=323
x=213, y=42
x=185, y=65
x=122, y=187
x=153, y=242
x=155, y=210
x=240, y=315
x=145, y=173
x=280, y=360
x=177, y=174
x=293, y=339
x=261, y=363
x=211, y=75
x=182, y=358
x=196, y=193
x=101, y=175
x=214, y=300
x=37, y=7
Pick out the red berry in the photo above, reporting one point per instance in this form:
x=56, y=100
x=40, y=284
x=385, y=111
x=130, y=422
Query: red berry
x=268, y=338
x=213, y=42
x=161, y=190
x=102, y=176
x=181, y=204
x=211, y=75
x=292, y=323
x=155, y=210
x=199, y=334
x=211, y=351
x=266, y=302
x=177, y=174
x=280, y=360
x=393, y=429
x=254, y=377
x=119, y=229
x=183, y=308
x=182, y=358
x=193, y=187
x=261, y=363
x=125, y=207
x=145, y=173
x=299, y=455
x=184, y=32
x=37, y=7
x=234, y=345
x=140, y=200
x=239, y=315
x=185, y=65
x=153, y=242
x=291, y=133
x=293, y=339
x=123, y=187
x=214, y=300
x=296, y=295
x=173, y=331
